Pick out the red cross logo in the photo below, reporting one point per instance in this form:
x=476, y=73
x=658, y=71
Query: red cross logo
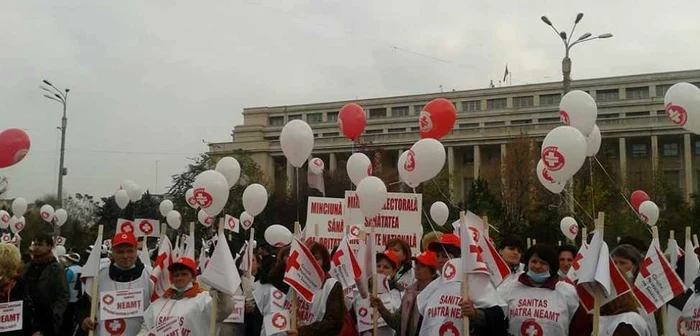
x=410, y=163
x=362, y=311
x=202, y=198
x=475, y=234
x=127, y=227
x=115, y=327
x=231, y=223
x=146, y=227
x=547, y=177
x=277, y=294
x=573, y=229
x=6, y=238
x=208, y=221
x=108, y=299
x=449, y=271
x=448, y=329
x=425, y=121
x=552, y=158
x=247, y=224
x=369, y=169
x=564, y=117
x=644, y=268
x=318, y=162
x=530, y=328
x=279, y=321
x=5, y=218
x=45, y=215
x=19, y=226
x=192, y=201
x=644, y=218
x=576, y=265
x=676, y=114
x=355, y=231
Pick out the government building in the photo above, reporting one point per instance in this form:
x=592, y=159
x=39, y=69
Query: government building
x=637, y=135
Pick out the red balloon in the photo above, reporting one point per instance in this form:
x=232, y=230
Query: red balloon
x=437, y=119
x=638, y=197
x=14, y=146
x=352, y=120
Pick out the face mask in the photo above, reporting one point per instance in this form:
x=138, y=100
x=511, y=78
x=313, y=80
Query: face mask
x=538, y=277
x=124, y=269
x=187, y=287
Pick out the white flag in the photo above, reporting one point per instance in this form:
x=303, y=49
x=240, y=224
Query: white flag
x=498, y=269
x=344, y=265
x=221, y=273
x=657, y=282
x=472, y=260
x=189, y=247
x=203, y=258
x=595, y=270
x=126, y=226
x=576, y=265
x=160, y=274
x=144, y=255
x=691, y=263
x=232, y=223
x=303, y=272
x=146, y=227
x=92, y=266
x=276, y=322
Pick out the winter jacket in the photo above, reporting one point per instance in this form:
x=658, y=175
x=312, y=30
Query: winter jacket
x=51, y=298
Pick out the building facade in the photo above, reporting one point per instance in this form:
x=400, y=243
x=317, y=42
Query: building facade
x=636, y=133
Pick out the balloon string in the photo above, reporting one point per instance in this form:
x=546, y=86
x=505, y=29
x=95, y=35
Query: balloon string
x=590, y=172
x=621, y=193
x=432, y=228
x=443, y=195
x=297, y=205
x=565, y=199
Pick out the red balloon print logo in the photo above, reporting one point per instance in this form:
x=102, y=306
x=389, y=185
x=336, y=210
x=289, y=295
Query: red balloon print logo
x=553, y=159
x=677, y=114
x=564, y=117
x=573, y=229
x=410, y=163
x=437, y=118
x=202, y=198
x=425, y=123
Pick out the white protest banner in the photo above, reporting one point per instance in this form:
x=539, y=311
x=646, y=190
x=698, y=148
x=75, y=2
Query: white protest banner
x=400, y=217
x=60, y=241
x=326, y=214
x=10, y=316
x=146, y=227
x=276, y=322
x=121, y=304
x=237, y=312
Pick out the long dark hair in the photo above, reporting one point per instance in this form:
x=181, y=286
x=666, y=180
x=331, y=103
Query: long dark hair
x=276, y=275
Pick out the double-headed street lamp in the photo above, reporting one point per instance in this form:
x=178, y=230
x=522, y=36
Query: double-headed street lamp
x=566, y=70
x=62, y=97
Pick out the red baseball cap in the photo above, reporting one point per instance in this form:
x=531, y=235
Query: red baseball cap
x=391, y=256
x=449, y=239
x=184, y=261
x=427, y=258
x=124, y=238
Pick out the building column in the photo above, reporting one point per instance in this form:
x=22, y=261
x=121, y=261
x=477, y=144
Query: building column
x=290, y=176
x=332, y=162
x=477, y=161
x=623, y=160
x=688, y=166
x=654, y=153
x=451, y=170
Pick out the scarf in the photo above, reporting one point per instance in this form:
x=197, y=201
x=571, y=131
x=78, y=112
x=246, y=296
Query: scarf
x=174, y=294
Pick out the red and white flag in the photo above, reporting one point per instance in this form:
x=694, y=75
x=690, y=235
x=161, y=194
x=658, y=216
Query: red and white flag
x=276, y=323
x=692, y=264
x=60, y=241
x=303, y=272
x=576, y=265
x=472, y=259
x=144, y=227
x=221, y=273
x=344, y=265
x=674, y=252
x=126, y=226
x=498, y=269
x=160, y=274
x=657, y=282
x=232, y=223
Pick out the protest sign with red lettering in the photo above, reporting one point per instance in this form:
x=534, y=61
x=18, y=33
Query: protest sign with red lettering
x=11, y=316
x=400, y=218
x=121, y=304
x=303, y=272
x=237, y=312
x=326, y=214
x=656, y=283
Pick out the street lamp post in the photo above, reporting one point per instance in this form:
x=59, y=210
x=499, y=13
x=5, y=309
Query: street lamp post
x=62, y=97
x=566, y=71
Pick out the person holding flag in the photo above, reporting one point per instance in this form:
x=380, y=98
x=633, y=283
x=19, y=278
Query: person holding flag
x=538, y=303
x=185, y=308
x=404, y=275
x=389, y=298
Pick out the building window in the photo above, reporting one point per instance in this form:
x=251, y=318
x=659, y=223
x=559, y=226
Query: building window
x=415, y=129
x=550, y=99
x=636, y=114
x=377, y=113
x=399, y=111
x=639, y=150
x=521, y=122
x=496, y=104
x=520, y=102
x=661, y=89
x=331, y=134
x=671, y=149
x=376, y=131
x=271, y=138
x=494, y=123
x=332, y=117
x=469, y=126
x=314, y=118
x=603, y=95
x=673, y=177
x=397, y=130
x=417, y=109
x=468, y=156
x=276, y=121
x=294, y=116
x=549, y=120
x=638, y=92
x=471, y=106
x=608, y=116
x=661, y=112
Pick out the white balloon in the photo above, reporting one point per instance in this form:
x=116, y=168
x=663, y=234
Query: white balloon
x=547, y=180
x=246, y=220
x=19, y=207
x=439, y=213
x=174, y=219
x=211, y=191
x=372, y=195
x=204, y=218
x=316, y=166
x=358, y=167
x=4, y=219
x=230, y=168
x=46, y=212
x=125, y=184
x=165, y=207
x=569, y=227
x=593, y=141
x=121, y=198
x=297, y=142
x=189, y=198
x=429, y=157
x=278, y=235
x=649, y=212
x=60, y=251
x=60, y=217
x=406, y=167
x=563, y=152
x=17, y=224
x=579, y=110
x=134, y=191
x=254, y=199
x=682, y=103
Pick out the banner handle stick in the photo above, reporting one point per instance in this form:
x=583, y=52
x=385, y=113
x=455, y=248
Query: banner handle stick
x=599, y=225
x=584, y=234
x=375, y=311
x=93, y=287
x=465, y=279
x=292, y=293
x=215, y=294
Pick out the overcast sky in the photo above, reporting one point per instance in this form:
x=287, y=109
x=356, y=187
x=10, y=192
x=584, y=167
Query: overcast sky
x=150, y=80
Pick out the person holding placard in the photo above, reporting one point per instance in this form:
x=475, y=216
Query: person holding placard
x=404, y=275
x=125, y=288
x=185, y=308
x=15, y=301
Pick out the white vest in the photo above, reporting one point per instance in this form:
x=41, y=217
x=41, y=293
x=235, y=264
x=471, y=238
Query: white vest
x=535, y=311
x=689, y=323
x=190, y=316
x=608, y=324
x=130, y=326
x=391, y=301
x=407, y=279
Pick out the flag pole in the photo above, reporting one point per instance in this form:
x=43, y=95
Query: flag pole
x=215, y=294
x=529, y=242
x=93, y=287
x=375, y=311
x=584, y=235
x=465, y=279
x=663, y=311
x=292, y=293
x=695, y=240
x=599, y=225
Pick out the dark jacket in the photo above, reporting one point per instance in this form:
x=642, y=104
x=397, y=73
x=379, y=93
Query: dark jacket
x=18, y=291
x=51, y=298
